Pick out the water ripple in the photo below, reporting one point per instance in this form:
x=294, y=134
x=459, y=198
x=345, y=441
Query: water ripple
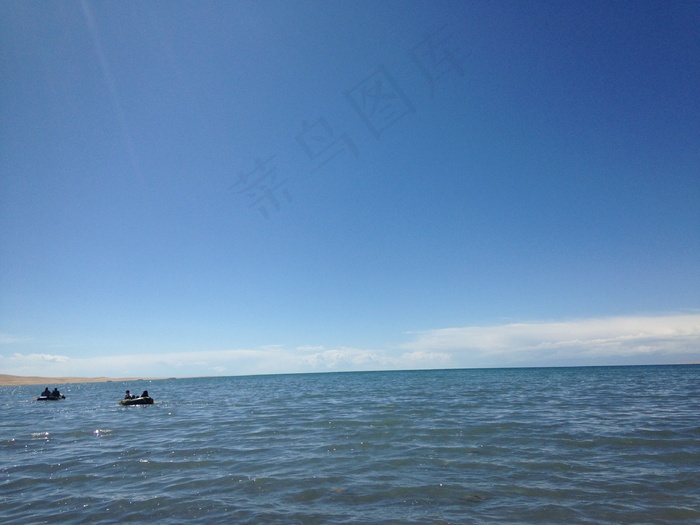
x=603, y=446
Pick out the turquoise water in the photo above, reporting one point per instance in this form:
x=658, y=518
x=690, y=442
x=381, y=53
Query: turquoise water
x=565, y=445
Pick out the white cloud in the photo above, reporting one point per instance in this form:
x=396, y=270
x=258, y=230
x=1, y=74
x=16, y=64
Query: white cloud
x=32, y=364
x=9, y=339
x=613, y=340
x=420, y=356
x=33, y=358
x=342, y=358
x=311, y=348
x=264, y=360
x=566, y=342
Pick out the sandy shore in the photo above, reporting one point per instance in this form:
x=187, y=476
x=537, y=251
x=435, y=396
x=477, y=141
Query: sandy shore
x=8, y=380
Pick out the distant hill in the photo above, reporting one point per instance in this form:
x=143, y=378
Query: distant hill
x=10, y=380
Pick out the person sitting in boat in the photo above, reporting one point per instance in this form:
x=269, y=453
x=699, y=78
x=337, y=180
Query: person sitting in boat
x=46, y=392
x=129, y=396
x=55, y=393
x=145, y=393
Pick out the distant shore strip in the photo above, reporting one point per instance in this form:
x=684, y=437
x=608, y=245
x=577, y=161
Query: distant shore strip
x=10, y=380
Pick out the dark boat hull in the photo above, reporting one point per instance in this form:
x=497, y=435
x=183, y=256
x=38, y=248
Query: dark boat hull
x=137, y=401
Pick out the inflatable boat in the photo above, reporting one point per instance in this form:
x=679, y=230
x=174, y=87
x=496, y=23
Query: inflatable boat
x=137, y=401
x=50, y=398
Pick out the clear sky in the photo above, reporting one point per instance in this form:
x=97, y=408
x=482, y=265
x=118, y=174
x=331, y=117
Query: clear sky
x=223, y=188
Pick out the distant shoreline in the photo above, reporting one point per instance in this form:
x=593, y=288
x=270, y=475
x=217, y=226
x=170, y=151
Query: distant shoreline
x=10, y=380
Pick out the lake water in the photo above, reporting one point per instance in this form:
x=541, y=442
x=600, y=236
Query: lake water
x=557, y=445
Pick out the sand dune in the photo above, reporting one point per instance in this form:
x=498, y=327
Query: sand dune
x=10, y=380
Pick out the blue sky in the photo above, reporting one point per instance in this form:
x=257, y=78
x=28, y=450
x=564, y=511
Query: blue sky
x=222, y=188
